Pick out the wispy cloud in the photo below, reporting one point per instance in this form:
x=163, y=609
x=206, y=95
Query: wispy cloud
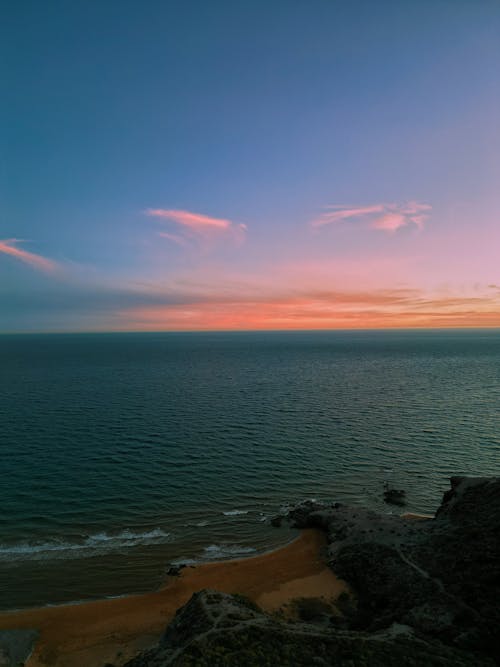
x=197, y=227
x=196, y=221
x=387, y=217
x=10, y=247
x=176, y=238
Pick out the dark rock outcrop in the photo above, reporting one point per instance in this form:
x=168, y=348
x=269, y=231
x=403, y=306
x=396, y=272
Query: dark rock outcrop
x=215, y=630
x=175, y=570
x=441, y=576
x=427, y=594
x=16, y=646
x=394, y=496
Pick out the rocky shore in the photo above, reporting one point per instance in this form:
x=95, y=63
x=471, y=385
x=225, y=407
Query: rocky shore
x=426, y=593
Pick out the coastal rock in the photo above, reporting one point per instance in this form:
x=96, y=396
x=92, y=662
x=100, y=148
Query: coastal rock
x=394, y=496
x=440, y=576
x=16, y=646
x=427, y=594
x=175, y=570
x=306, y=513
x=215, y=629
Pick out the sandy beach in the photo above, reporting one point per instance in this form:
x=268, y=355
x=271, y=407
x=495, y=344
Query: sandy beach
x=113, y=630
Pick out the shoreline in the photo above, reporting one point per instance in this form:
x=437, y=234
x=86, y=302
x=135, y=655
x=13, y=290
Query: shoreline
x=114, y=629
x=164, y=582
x=417, y=516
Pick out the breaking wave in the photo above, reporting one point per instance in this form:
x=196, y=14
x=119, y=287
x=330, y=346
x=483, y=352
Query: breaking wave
x=90, y=545
x=222, y=551
x=216, y=552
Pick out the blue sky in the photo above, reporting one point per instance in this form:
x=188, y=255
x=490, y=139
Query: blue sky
x=263, y=115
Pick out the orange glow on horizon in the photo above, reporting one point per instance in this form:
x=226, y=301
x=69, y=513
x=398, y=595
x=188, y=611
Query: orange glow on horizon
x=361, y=311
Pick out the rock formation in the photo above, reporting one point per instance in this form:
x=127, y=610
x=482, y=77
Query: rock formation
x=394, y=496
x=427, y=592
x=216, y=629
x=16, y=646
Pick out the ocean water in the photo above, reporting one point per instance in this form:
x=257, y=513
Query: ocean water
x=121, y=453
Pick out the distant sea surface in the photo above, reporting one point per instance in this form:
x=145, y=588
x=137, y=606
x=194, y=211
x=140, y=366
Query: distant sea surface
x=123, y=452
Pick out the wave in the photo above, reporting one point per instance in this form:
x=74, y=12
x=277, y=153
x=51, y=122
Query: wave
x=216, y=552
x=221, y=551
x=235, y=512
x=198, y=524
x=91, y=545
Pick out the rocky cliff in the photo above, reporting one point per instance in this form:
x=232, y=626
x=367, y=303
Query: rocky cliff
x=427, y=594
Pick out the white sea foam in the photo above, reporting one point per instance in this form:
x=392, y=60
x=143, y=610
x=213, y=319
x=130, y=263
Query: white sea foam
x=220, y=551
x=90, y=545
x=185, y=561
x=235, y=512
x=216, y=552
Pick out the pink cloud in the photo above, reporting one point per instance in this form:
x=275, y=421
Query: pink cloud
x=390, y=222
x=197, y=226
x=9, y=247
x=339, y=213
x=176, y=238
x=387, y=217
x=191, y=220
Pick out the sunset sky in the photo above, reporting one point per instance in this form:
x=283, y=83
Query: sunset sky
x=274, y=164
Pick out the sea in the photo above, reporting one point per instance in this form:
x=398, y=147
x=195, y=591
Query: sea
x=122, y=453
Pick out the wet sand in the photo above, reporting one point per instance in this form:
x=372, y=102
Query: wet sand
x=114, y=630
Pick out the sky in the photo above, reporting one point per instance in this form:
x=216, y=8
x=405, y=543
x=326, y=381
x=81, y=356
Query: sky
x=193, y=165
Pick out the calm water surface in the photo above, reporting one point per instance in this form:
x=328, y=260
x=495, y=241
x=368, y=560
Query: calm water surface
x=122, y=452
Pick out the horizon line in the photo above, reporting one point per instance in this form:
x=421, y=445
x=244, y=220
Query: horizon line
x=270, y=330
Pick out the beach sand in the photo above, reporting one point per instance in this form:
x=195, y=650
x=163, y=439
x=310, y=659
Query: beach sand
x=114, y=630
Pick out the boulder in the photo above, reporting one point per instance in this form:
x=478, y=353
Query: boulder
x=395, y=496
